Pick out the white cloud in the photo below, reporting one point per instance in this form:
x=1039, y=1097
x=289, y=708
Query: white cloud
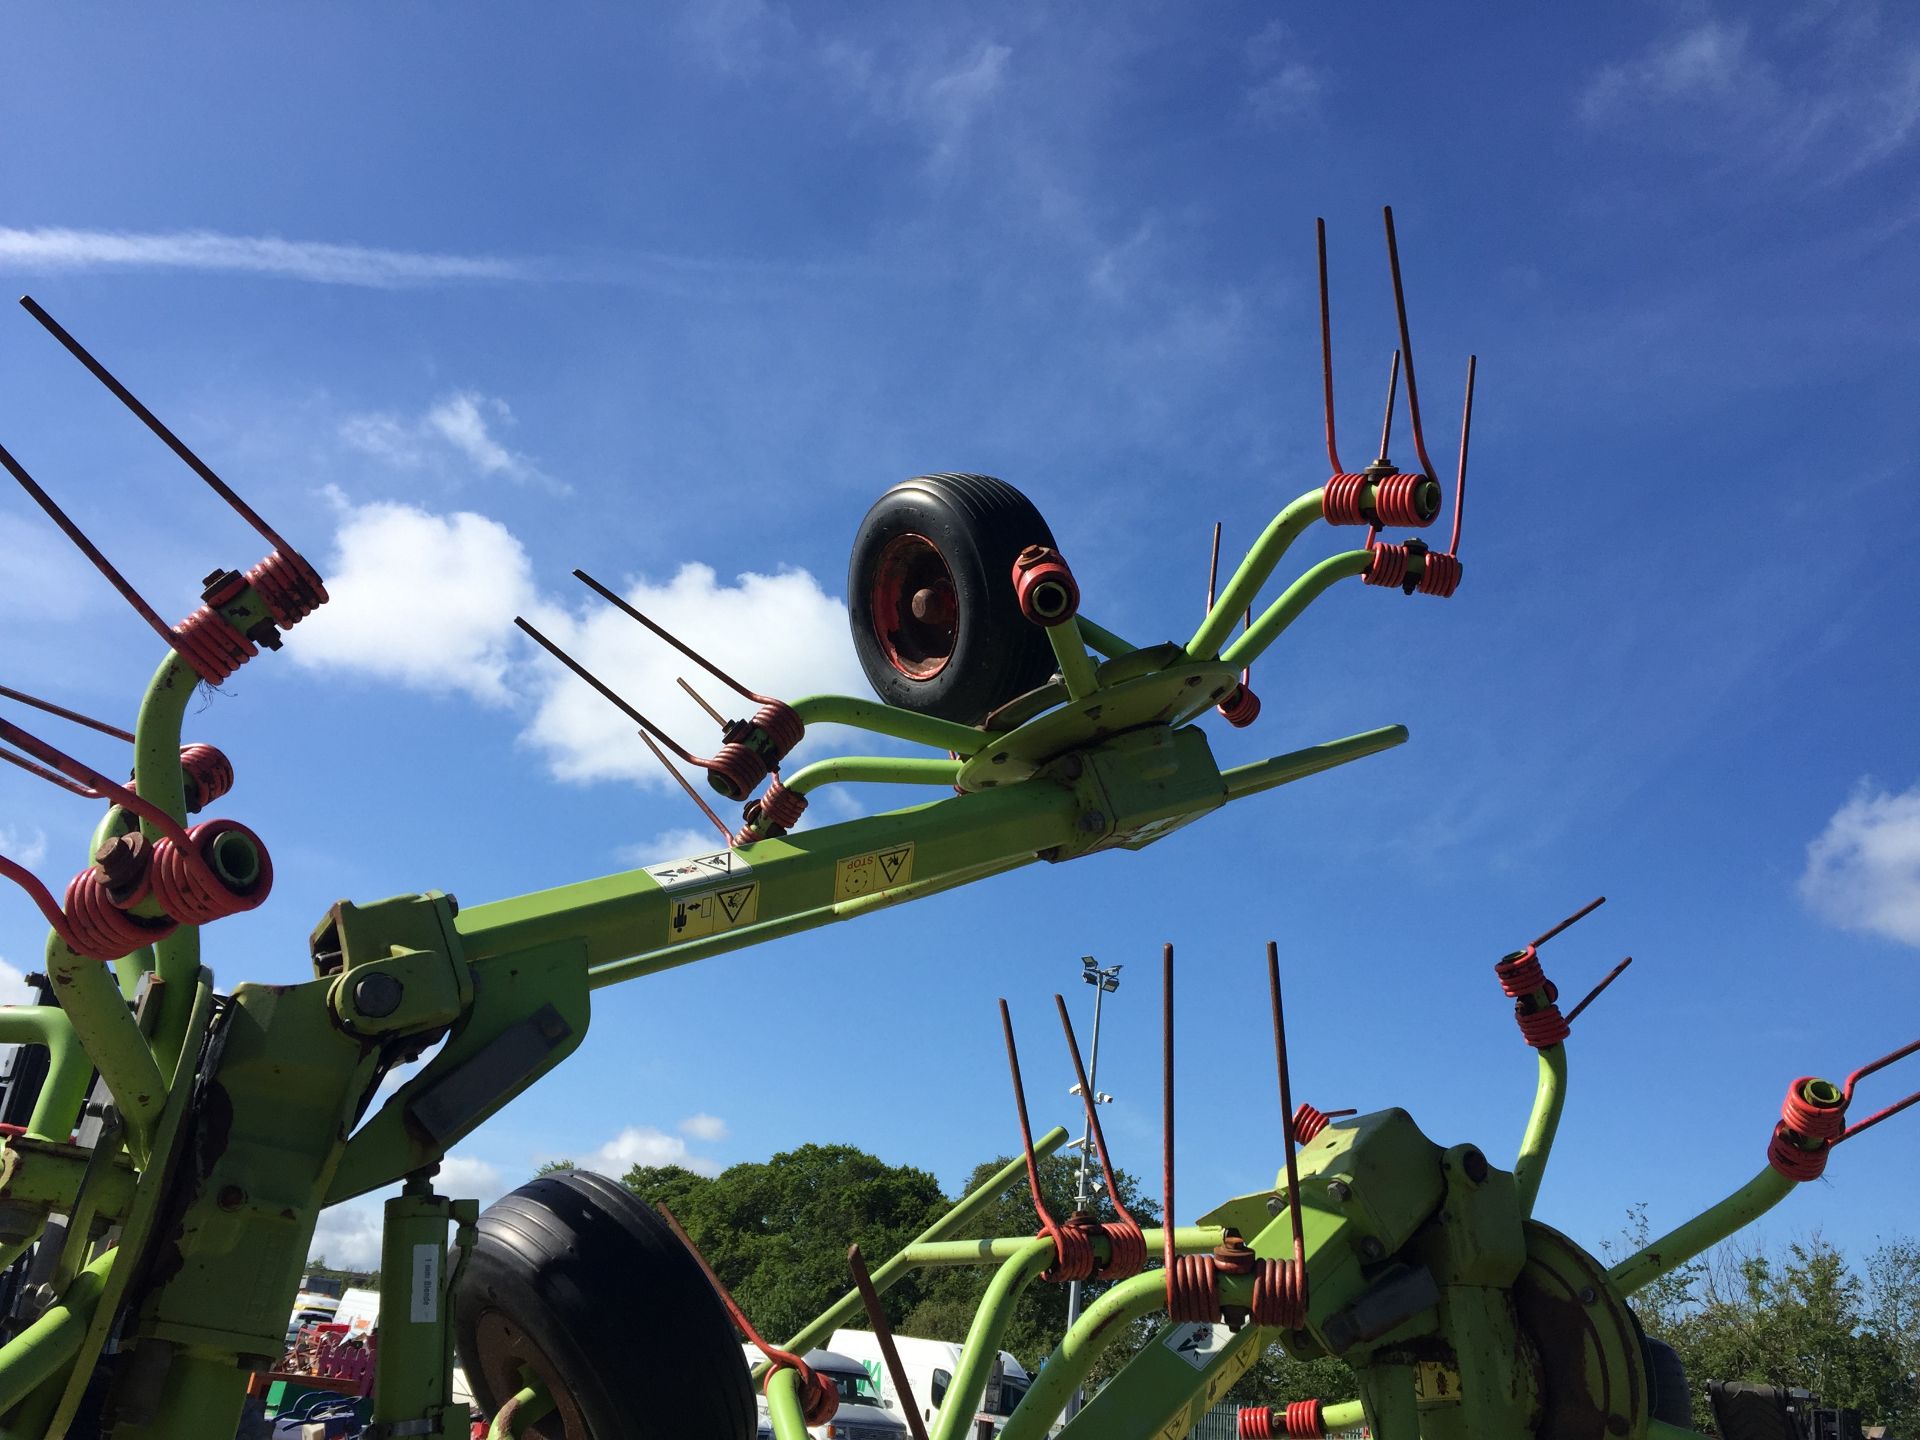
x=1285, y=86
x=1863, y=871
x=704, y=1127
x=23, y=846
x=348, y=1234
x=13, y=985
x=426, y=600
x=54, y=248
x=468, y=1177
x=457, y=428
x=644, y=1145
x=941, y=90
x=1710, y=61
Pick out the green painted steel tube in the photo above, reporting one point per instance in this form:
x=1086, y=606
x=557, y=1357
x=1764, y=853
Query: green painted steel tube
x=1343, y=1415
x=68, y=1069
x=1705, y=1230
x=156, y=759
x=1103, y=639
x=1103, y=1322
x=873, y=770
x=1187, y=1240
x=106, y=1030
x=1549, y=1099
x=1292, y=603
x=982, y=1349
x=1076, y=666
x=884, y=719
x=816, y=1330
x=37, y=1353
x=783, y=1406
x=511, y=1421
x=1244, y=587
x=1244, y=780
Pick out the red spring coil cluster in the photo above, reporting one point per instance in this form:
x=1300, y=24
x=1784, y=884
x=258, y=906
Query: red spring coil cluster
x=1255, y=1422
x=290, y=587
x=819, y=1400
x=1395, y=501
x=1306, y=1420
x=1279, y=1294
x=782, y=726
x=99, y=929
x=1521, y=978
x=1308, y=1122
x=781, y=807
x=1127, y=1250
x=1193, y=1290
x=1073, y=1253
x=1439, y=574
x=211, y=645
x=1801, y=1119
x=1241, y=708
x=192, y=893
x=209, y=775
x=737, y=770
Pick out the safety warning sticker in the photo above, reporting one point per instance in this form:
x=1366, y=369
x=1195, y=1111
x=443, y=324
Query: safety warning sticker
x=692, y=917
x=699, y=870
x=876, y=870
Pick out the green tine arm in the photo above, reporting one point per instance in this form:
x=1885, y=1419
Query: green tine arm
x=90, y=996
x=1549, y=1099
x=872, y=770
x=1704, y=1231
x=1292, y=602
x=983, y=1337
x=783, y=1406
x=65, y=1089
x=1242, y=589
x=1103, y=639
x=929, y=730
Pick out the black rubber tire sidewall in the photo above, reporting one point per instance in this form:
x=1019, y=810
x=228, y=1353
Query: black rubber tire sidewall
x=979, y=525
x=596, y=1280
x=1668, y=1398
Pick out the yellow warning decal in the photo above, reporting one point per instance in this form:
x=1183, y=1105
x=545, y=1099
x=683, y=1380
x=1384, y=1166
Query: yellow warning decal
x=876, y=870
x=1435, y=1383
x=693, y=917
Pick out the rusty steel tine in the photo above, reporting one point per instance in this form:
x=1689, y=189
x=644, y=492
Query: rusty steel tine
x=153, y=423
x=692, y=794
x=1861, y=1074
x=65, y=714
x=607, y=693
x=87, y=547
x=1460, y=471
x=700, y=700
x=1406, y=348
x=45, y=774
x=1386, y=421
x=118, y=794
x=1580, y=914
x=774, y=1353
x=1326, y=345
x=1594, y=994
x=877, y=1317
x=1093, y=1111
x=1286, y=1102
x=1166, y=1108
x=622, y=604
x=1213, y=566
x=1026, y=1129
x=40, y=895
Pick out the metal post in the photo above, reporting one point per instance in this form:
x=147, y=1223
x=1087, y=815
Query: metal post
x=1102, y=981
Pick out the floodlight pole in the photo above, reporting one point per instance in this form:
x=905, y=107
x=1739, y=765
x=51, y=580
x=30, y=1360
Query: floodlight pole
x=1102, y=980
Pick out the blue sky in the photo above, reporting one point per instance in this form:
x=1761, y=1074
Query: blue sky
x=464, y=299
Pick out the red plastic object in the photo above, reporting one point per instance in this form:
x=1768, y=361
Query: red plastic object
x=1045, y=587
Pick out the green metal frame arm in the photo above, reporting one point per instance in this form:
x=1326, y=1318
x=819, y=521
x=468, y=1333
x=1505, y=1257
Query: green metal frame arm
x=1704, y=1231
x=783, y=1406
x=1244, y=780
x=982, y=1348
x=64, y=1090
x=1244, y=587
x=156, y=758
x=1076, y=665
x=872, y=770
x=1103, y=639
x=41, y=1351
x=90, y=995
x=1342, y=1415
x=882, y=719
x=1292, y=604
x=1549, y=1099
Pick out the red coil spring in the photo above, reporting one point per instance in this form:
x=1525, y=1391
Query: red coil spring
x=1395, y=500
x=211, y=645
x=1193, y=1290
x=184, y=888
x=1306, y=1420
x=100, y=930
x=1127, y=1253
x=1073, y=1254
x=819, y=1400
x=1255, y=1422
x=1801, y=1118
x=1521, y=977
x=1279, y=1294
x=1520, y=973
x=1340, y=505
x=1439, y=574
x=737, y=769
x=782, y=807
x=1308, y=1122
x=290, y=587
x=1241, y=708
x=1541, y=1028
x=209, y=775
x=782, y=726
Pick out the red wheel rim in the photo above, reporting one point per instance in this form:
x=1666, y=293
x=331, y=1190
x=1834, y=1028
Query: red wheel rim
x=915, y=607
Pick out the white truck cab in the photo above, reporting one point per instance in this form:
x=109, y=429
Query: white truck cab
x=930, y=1367
x=862, y=1415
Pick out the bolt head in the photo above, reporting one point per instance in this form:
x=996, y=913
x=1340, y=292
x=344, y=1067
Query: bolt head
x=1588, y=1295
x=1371, y=1248
x=377, y=995
x=1339, y=1190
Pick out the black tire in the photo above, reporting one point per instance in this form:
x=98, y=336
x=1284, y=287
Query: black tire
x=1668, y=1399
x=575, y=1278
x=951, y=539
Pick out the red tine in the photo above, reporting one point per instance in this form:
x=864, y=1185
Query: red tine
x=1093, y=1109
x=619, y=602
x=1406, y=345
x=694, y=795
x=49, y=775
x=1386, y=421
x=607, y=693
x=1286, y=1102
x=106, y=788
x=1326, y=346
x=1048, y=1223
x=774, y=1353
x=1213, y=566
x=65, y=714
x=1594, y=994
x=1460, y=471
x=1166, y=1105
x=877, y=1317
x=1868, y=1069
x=1578, y=915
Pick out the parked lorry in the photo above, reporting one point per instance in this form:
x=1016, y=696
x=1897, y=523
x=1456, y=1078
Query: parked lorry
x=930, y=1367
